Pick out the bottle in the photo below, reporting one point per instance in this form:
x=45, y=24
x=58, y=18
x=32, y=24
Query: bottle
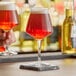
x=73, y=30
x=24, y=16
x=73, y=35
x=66, y=30
x=52, y=40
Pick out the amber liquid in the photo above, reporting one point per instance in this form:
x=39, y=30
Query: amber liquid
x=37, y=25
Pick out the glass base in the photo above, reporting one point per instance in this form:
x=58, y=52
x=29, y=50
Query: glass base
x=39, y=67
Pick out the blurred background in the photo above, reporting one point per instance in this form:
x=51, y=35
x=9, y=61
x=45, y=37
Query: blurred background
x=24, y=42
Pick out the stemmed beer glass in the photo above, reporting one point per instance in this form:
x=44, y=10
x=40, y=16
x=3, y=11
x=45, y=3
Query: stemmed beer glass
x=8, y=17
x=39, y=26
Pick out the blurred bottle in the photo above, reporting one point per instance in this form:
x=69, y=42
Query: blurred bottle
x=19, y=4
x=53, y=39
x=73, y=29
x=66, y=29
x=26, y=41
x=73, y=35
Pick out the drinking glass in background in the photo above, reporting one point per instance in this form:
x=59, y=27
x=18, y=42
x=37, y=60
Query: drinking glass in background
x=8, y=19
x=39, y=26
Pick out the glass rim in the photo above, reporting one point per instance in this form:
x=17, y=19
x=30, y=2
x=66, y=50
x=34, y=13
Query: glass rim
x=39, y=10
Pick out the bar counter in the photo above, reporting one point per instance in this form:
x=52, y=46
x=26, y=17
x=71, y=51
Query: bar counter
x=10, y=66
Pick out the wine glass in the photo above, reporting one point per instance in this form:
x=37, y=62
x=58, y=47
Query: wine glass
x=39, y=26
x=8, y=18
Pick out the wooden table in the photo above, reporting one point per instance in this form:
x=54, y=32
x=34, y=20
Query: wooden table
x=67, y=68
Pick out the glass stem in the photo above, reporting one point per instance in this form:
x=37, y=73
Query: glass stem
x=39, y=51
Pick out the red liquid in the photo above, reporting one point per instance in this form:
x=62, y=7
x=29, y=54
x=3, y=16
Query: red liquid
x=39, y=25
x=8, y=19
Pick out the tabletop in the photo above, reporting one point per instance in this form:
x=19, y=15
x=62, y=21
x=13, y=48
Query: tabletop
x=67, y=68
